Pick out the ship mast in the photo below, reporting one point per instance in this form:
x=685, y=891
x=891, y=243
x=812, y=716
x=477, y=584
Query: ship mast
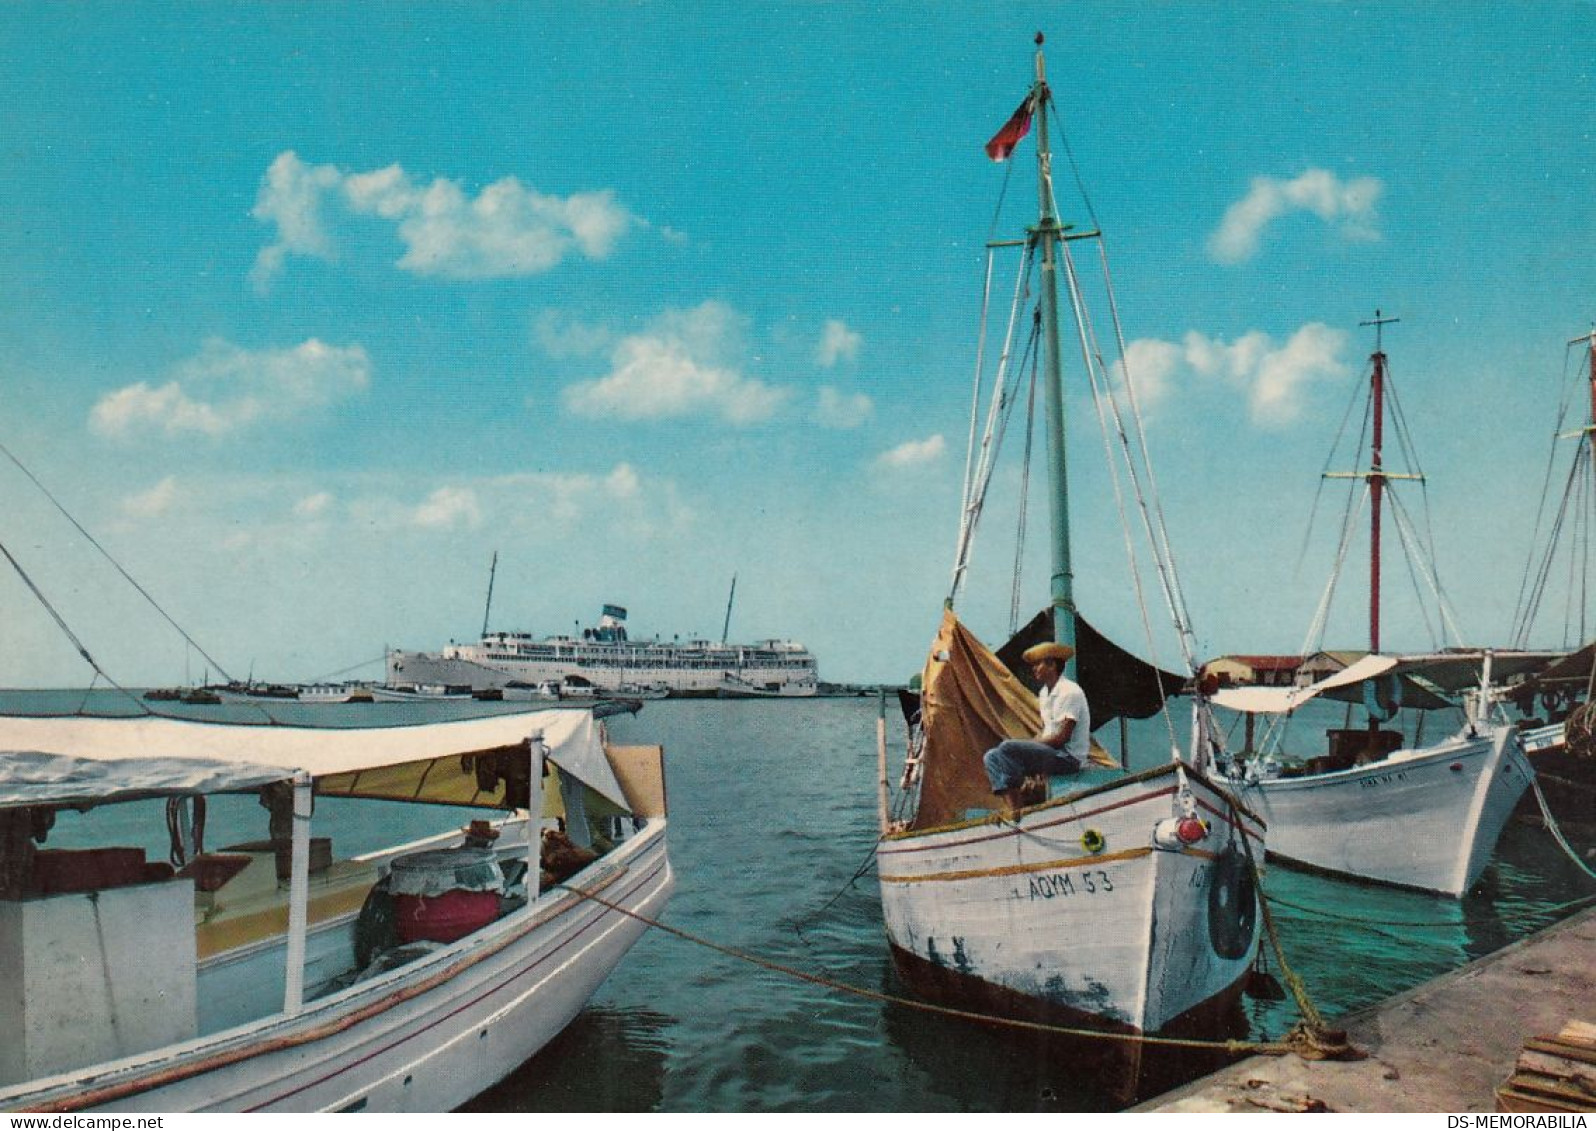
x=725, y=628
x=493, y=567
x=1376, y=473
x=1048, y=233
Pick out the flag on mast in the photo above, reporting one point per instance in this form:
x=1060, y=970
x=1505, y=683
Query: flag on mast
x=1018, y=125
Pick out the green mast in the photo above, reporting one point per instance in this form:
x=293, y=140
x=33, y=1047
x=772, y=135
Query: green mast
x=1048, y=233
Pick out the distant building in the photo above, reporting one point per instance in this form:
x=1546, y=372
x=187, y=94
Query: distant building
x=1257, y=671
x=1322, y=665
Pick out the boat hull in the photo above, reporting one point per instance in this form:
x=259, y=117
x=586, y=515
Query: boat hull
x=425, y=1037
x=1078, y=914
x=1426, y=819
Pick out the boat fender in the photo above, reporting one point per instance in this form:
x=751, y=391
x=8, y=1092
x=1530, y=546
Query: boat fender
x=1382, y=696
x=377, y=928
x=1232, y=904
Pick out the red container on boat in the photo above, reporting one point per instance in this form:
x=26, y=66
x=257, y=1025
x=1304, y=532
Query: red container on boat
x=446, y=917
x=445, y=894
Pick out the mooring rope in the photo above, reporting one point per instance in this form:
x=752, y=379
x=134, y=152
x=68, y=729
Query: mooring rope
x=1433, y=924
x=1259, y=1048
x=1557, y=833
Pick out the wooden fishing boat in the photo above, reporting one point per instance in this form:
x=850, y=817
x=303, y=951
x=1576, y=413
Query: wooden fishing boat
x=1124, y=904
x=280, y=973
x=1372, y=806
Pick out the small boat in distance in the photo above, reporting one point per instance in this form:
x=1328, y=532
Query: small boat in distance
x=298, y=972
x=419, y=693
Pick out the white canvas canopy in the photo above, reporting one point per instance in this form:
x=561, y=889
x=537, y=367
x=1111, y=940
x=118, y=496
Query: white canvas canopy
x=1425, y=680
x=74, y=758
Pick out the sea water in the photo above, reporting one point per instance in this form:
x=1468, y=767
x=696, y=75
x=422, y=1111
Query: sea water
x=773, y=807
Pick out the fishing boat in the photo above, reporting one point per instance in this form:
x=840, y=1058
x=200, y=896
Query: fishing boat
x=300, y=969
x=1372, y=806
x=1115, y=903
x=1425, y=816
x=420, y=692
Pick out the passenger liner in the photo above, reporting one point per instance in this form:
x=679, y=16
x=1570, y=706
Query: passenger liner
x=605, y=660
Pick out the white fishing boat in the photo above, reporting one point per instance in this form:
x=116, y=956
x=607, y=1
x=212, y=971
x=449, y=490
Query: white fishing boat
x=1423, y=816
x=1124, y=902
x=280, y=974
x=1375, y=806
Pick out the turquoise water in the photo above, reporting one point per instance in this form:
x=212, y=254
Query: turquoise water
x=773, y=820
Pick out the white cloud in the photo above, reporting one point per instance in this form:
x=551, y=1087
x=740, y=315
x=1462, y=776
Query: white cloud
x=678, y=368
x=837, y=409
x=1348, y=206
x=152, y=503
x=448, y=508
x=313, y=506
x=562, y=335
x=225, y=388
x=291, y=197
x=1273, y=378
x=914, y=453
x=837, y=343
x=506, y=230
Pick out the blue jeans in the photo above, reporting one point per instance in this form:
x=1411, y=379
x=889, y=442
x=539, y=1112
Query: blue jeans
x=1013, y=760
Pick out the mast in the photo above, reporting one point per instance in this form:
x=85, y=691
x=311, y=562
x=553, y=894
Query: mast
x=493, y=567
x=1376, y=474
x=725, y=628
x=1048, y=234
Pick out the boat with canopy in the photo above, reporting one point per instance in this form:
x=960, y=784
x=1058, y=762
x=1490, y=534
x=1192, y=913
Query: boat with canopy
x=1112, y=903
x=300, y=968
x=1377, y=805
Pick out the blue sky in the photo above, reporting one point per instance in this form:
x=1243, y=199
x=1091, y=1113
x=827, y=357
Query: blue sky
x=308, y=310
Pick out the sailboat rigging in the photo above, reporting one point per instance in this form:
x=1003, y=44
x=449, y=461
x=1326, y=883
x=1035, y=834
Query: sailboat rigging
x=1423, y=816
x=1127, y=903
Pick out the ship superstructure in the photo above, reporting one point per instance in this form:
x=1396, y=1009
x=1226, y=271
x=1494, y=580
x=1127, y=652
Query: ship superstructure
x=606, y=659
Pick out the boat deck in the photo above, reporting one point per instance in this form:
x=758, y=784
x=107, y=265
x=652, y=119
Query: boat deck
x=1444, y=1046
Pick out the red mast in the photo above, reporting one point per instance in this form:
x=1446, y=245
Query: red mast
x=1376, y=474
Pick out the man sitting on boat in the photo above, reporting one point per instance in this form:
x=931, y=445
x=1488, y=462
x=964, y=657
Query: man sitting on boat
x=1064, y=743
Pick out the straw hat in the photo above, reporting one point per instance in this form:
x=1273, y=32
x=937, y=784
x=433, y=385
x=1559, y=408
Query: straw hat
x=1050, y=651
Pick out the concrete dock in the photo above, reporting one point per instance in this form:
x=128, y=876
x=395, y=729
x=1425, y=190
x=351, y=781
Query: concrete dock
x=1442, y=1047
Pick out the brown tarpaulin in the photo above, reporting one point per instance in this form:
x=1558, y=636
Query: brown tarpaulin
x=969, y=702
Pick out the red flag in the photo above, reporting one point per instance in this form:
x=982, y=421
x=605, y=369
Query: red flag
x=1004, y=141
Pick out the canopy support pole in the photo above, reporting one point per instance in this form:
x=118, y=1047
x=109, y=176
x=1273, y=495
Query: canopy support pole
x=298, y=897
x=534, y=820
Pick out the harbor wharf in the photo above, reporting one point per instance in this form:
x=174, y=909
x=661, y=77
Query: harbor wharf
x=1444, y=1046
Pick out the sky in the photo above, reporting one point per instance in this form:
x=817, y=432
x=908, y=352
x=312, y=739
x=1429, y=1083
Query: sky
x=310, y=310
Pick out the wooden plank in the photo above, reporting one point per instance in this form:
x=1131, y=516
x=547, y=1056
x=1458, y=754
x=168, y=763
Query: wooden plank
x=1510, y=1099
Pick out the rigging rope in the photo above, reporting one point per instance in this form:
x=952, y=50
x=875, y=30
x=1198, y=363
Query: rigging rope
x=1025, y=491
x=61, y=623
x=118, y=566
x=1557, y=833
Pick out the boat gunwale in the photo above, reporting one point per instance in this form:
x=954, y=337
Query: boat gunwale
x=905, y=835
x=1456, y=746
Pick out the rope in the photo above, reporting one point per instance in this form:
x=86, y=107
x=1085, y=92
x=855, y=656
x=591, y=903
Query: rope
x=1557, y=833
x=66, y=628
x=1310, y=1039
x=1263, y=1048
x=1406, y=924
x=118, y=566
